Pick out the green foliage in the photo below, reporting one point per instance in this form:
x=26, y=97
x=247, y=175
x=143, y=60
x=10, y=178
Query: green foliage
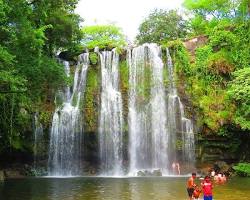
x=216, y=109
x=212, y=13
x=222, y=39
x=161, y=26
x=220, y=64
x=180, y=57
x=64, y=31
x=124, y=87
x=218, y=101
x=198, y=25
x=216, y=8
x=30, y=34
x=93, y=57
x=45, y=118
x=103, y=36
x=242, y=169
x=209, y=77
x=241, y=48
x=91, y=100
x=239, y=92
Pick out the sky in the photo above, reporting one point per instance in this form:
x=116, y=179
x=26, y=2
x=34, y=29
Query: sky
x=127, y=14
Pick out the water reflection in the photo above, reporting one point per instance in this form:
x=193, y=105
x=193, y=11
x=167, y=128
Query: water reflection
x=114, y=189
x=155, y=189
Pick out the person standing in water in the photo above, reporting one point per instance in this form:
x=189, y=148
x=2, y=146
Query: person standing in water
x=207, y=188
x=191, y=186
x=176, y=168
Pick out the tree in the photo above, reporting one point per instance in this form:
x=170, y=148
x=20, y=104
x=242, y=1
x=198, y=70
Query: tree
x=214, y=8
x=63, y=30
x=30, y=34
x=162, y=26
x=102, y=36
x=210, y=13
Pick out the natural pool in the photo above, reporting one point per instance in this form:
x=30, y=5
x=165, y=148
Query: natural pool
x=88, y=188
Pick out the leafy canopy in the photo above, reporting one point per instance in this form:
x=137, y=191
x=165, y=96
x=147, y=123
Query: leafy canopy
x=31, y=32
x=211, y=13
x=162, y=26
x=103, y=36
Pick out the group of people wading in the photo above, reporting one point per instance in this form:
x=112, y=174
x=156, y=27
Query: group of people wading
x=206, y=187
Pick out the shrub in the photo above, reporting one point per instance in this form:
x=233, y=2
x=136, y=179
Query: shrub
x=242, y=169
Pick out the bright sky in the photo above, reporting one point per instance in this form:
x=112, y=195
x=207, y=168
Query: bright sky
x=127, y=14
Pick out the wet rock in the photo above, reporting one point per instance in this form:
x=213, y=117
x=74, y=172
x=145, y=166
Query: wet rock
x=9, y=173
x=1, y=176
x=221, y=166
x=157, y=172
x=141, y=173
x=194, y=43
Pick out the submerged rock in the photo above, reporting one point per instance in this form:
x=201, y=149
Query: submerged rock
x=157, y=172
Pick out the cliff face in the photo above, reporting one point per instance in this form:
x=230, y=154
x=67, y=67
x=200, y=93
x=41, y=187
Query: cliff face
x=209, y=148
x=229, y=146
x=194, y=43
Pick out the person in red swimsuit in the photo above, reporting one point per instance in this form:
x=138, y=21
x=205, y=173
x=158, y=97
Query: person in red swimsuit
x=207, y=188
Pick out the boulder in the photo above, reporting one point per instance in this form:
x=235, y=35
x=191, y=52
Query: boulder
x=157, y=172
x=221, y=166
x=141, y=173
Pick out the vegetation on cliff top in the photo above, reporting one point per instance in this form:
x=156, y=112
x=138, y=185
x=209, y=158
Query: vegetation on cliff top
x=162, y=26
x=30, y=34
x=102, y=36
x=217, y=80
x=215, y=91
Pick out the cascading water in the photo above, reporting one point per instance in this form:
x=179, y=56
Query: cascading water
x=148, y=134
x=155, y=119
x=160, y=132
x=177, y=123
x=38, y=136
x=66, y=132
x=110, y=119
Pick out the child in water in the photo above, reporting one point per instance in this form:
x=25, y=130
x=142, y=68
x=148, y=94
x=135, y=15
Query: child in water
x=207, y=188
x=197, y=192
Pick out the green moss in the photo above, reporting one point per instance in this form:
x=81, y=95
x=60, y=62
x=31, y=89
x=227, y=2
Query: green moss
x=124, y=87
x=145, y=88
x=45, y=118
x=91, y=100
x=93, y=57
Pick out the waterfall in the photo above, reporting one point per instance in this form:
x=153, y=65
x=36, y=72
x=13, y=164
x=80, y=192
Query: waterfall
x=178, y=124
x=66, y=132
x=160, y=132
x=110, y=119
x=148, y=134
x=156, y=120
x=38, y=137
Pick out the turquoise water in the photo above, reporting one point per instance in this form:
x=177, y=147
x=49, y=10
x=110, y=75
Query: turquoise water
x=92, y=188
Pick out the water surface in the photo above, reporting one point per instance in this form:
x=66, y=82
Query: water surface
x=92, y=188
